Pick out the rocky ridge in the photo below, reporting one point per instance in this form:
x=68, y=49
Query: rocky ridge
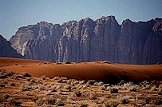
x=6, y=50
x=89, y=40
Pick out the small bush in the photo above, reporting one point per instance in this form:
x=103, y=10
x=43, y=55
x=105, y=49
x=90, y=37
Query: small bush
x=134, y=88
x=159, y=102
x=44, y=77
x=91, y=82
x=51, y=101
x=100, y=83
x=2, y=85
x=45, y=63
x=78, y=93
x=16, y=103
x=12, y=84
x=111, y=103
x=5, y=74
x=103, y=87
x=58, y=62
x=82, y=82
x=25, y=74
x=160, y=91
x=68, y=62
x=68, y=87
x=60, y=102
x=114, y=90
x=40, y=102
x=4, y=97
x=125, y=100
x=93, y=96
x=84, y=105
x=106, y=62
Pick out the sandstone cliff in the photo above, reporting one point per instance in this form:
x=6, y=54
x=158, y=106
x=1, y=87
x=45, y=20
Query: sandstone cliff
x=88, y=40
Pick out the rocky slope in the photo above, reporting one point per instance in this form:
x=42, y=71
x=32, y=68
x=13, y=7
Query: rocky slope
x=6, y=50
x=88, y=40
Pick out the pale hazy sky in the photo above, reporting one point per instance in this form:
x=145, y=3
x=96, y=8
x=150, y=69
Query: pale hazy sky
x=17, y=13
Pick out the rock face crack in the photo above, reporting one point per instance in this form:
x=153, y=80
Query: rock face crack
x=88, y=40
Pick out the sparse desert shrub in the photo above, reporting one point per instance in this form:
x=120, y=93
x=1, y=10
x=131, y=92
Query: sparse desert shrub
x=147, y=100
x=68, y=62
x=147, y=86
x=76, y=82
x=83, y=104
x=51, y=101
x=40, y=101
x=153, y=88
x=25, y=74
x=155, y=83
x=106, y=85
x=113, y=90
x=12, y=84
x=93, y=96
x=53, y=89
x=60, y=102
x=16, y=103
x=111, y=103
x=64, y=78
x=124, y=100
x=4, y=97
x=78, y=93
x=96, y=84
x=68, y=87
x=5, y=74
x=2, y=85
x=45, y=62
x=144, y=83
x=56, y=78
x=58, y=62
x=108, y=88
x=160, y=91
x=128, y=85
x=25, y=88
x=41, y=87
x=158, y=102
x=32, y=80
x=44, y=77
x=103, y=87
x=82, y=82
x=90, y=82
x=106, y=62
x=121, y=82
x=58, y=87
x=100, y=83
x=134, y=88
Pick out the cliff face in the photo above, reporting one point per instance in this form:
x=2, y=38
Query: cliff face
x=6, y=50
x=88, y=40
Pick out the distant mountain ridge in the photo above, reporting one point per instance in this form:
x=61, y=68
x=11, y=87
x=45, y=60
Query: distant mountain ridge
x=6, y=50
x=88, y=40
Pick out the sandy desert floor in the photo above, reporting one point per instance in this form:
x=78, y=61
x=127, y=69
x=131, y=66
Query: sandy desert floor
x=87, y=70
x=89, y=84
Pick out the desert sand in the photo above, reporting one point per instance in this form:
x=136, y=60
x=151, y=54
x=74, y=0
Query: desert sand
x=84, y=71
x=90, y=84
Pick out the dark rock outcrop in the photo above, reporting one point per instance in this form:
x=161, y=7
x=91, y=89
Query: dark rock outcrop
x=6, y=50
x=88, y=40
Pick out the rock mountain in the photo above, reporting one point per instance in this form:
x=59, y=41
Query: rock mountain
x=6, y=50
x=89, y=40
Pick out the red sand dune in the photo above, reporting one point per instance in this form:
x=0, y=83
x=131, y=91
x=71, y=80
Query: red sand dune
x=85, y=70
